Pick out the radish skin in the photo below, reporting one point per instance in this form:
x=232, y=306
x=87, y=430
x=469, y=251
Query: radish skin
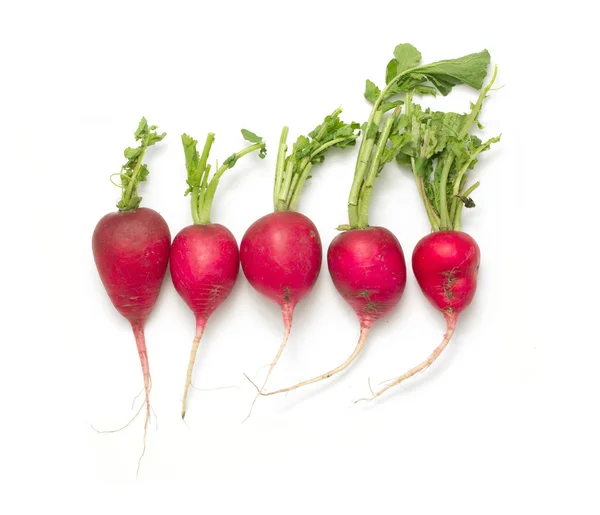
x=281, y=257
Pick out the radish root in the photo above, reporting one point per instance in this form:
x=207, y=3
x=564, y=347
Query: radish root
x=140, y=341
x=364, y=332
x=287, y=311
x=200, y=324
x=105, y=431
x=451, y=324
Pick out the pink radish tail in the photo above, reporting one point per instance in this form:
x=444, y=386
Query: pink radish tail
x=364, y=332
x=287, y=310
x=200, y=324
x=140, y=341
x=451, y=319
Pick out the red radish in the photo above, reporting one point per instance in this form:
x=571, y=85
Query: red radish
x=445, y=264
x=366, y=263
x=446, y=261
x=131, y=251
x=281, y=252
x=204, y=257
x=282, y=258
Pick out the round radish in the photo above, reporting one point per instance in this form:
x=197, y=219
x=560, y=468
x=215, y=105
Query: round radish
x=281, y=258
x=368, y=270
x=445, y=264
x=204, y=256
x=131, y=251
x=281, y=252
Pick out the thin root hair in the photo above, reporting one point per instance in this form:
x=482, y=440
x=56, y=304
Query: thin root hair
x=121, y=428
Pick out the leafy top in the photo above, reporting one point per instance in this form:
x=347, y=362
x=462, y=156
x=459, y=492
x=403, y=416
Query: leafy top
x=134, y=171
x=293, y=170
x=440, y=149
x=404, y=73
x=384, y=137
x=201, y=189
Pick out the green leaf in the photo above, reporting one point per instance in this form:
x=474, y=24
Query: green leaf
x=132, y=153
x=250, y=136
x=303, y=147
x=403, y=159
x=369, y=131
x=142, y=129
x=423, y=89
x=423, y=167
x=311, y=150
x=386, y=106
x=155, y=138
x=372, y=92
x=192, y=157
x=391, y=71
x=133, y=171
x=470, y=69
x=231, y=161
x=406, y=56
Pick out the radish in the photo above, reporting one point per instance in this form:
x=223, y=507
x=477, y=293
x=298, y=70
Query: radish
x=281, y=252
x=440, y=151
x=204, y=256
x=131, y=250
x=367, y=263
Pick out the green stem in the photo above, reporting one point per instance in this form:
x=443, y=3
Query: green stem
x=365, y=149
x=362, y=163
x=288, y=198
x=457, y=216
x=445, y=224
x=198, y=191
x=434, y=219
x=367, y=190
x=211, y=189
x=323, y=147
x=458, y=186
x=203, y=187
x=126, y=197
x=477, y=107
x=373, y=118
x=195, y=193
x=305, y=167
x=296, y=196
x=280, y=165
x=281, y=204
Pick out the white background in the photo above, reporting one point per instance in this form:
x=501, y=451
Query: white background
x=504, y=422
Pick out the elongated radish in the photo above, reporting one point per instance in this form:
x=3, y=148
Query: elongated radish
x=131, y=250
x=281, y=252
x=205, y=256
x=440, y=151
